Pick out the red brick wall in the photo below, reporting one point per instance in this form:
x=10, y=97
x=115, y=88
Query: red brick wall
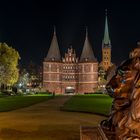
x=83, y=76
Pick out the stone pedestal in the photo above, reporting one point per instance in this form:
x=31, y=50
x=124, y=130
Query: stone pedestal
x=92, y=133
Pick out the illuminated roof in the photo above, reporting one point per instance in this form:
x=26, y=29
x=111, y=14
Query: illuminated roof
x=54, y=52
x=87, y=52
x=106, y=39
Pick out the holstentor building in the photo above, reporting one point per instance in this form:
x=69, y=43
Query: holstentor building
x=68, y=73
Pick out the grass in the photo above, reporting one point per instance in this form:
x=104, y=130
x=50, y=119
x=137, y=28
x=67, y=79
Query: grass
x=16, y=102
x=95, y=103
x=45, y=122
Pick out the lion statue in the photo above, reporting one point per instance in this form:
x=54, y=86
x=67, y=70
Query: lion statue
x=124, y=87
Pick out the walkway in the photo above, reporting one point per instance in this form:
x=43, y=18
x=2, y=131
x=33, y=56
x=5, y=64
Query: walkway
x=44, y=121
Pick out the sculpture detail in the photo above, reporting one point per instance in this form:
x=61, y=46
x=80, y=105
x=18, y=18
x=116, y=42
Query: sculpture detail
x=124, y=87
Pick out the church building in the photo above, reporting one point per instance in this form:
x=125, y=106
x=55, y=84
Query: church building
x=106, y=48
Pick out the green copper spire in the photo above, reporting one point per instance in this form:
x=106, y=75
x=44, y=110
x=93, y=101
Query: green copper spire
x=106, y=39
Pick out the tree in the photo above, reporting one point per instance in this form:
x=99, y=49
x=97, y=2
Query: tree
x=35, y=72
x=23, y=79
x=9, y=58
x=101, y=79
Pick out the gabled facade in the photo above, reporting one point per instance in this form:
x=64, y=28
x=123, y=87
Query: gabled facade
x=69, y=74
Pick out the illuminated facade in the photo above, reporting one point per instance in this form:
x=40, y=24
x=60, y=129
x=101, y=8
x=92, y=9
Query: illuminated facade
x=70, y=74
x=106, y=49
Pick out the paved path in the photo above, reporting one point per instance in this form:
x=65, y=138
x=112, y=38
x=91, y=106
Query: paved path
x=44, y=121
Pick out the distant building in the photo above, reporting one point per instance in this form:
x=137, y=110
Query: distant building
x=106, y=48
x=70, y=74
x=106, y=67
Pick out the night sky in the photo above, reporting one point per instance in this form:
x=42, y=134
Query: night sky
x=28, y=26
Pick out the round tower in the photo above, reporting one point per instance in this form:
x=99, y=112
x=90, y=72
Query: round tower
x=52, y=66
x=88, y=69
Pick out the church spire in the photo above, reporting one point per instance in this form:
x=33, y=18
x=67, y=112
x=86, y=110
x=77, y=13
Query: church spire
x=86, y=32
x=54, y=52
x=87, y=52
x=54, y=32
x=106, y=40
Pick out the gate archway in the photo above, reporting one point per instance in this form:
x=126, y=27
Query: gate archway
x=69, y=89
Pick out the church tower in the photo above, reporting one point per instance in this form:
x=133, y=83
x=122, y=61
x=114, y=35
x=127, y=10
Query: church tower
x=106, y=47
x=52, y=67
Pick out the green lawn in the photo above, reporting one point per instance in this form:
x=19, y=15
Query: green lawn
x=95, y=103
x=16, y=102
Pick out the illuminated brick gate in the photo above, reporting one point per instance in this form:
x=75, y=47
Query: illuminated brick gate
x=81, y=74
x=61, y=74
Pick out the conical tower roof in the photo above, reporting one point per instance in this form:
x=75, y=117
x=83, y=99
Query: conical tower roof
x=54, y=52
x=87, y=52
x=106, y=39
